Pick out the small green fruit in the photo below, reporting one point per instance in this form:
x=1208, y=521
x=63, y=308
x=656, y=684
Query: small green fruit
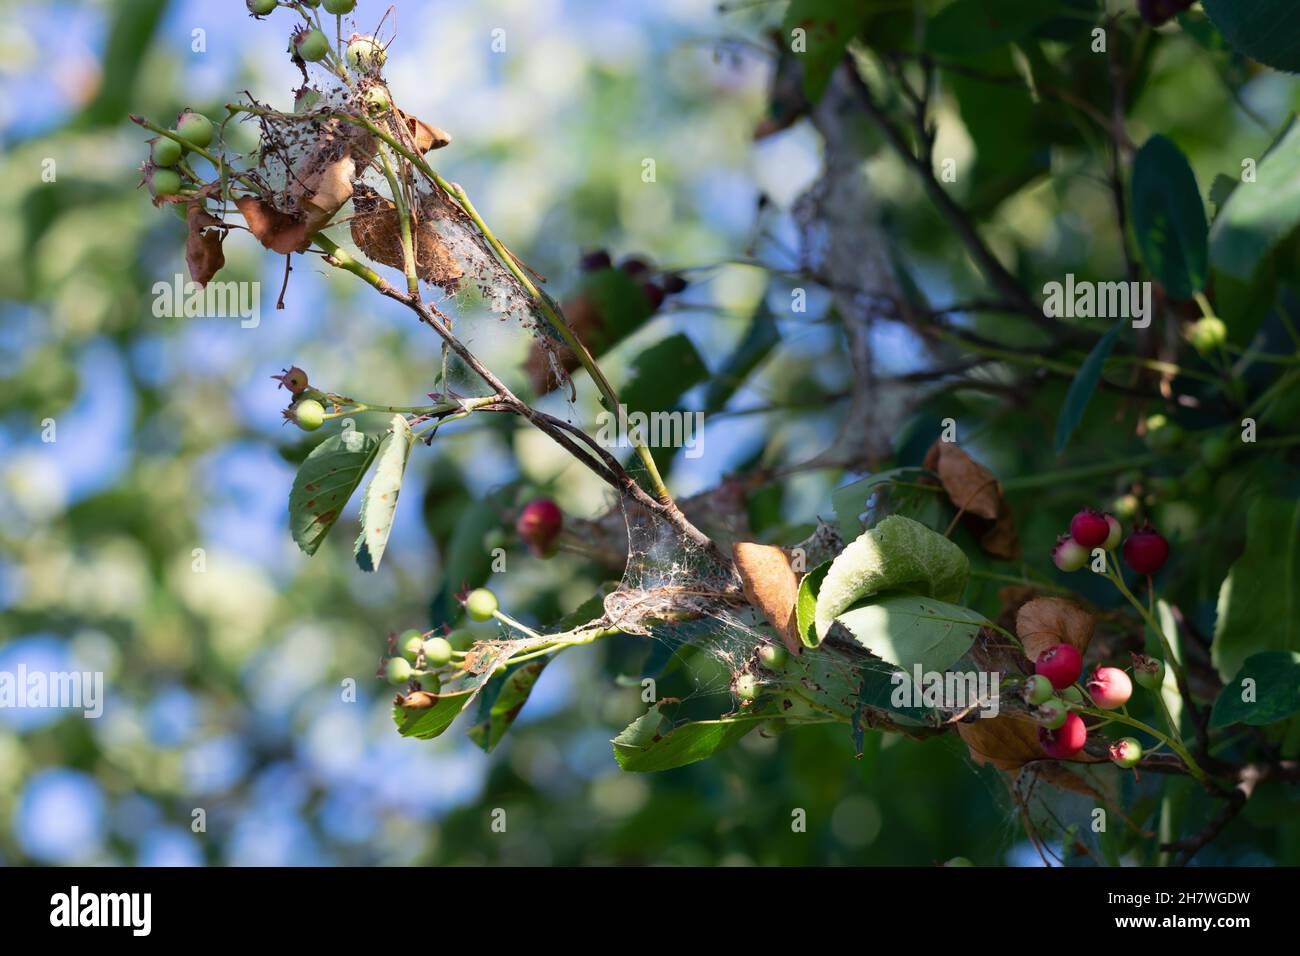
x=772, y=656
x=339, y=7
x=480, y=604
x=311, y=45
x=165, y=152
x=1208, y=334
x=376, y=100
x=462, y=639
x=1052, y=713
x=397, y=671
x=1149, y=672
x=1038, y=689
x=410, y=643
x=1072, y=694
x=1125, y=507
x=194, y=128
x=365, y=54
x=260, y=8
x=430, y=682
x=308, y=414
x=1162, y=434
x=1215, y=452
x=746, y=687
x=1126, y=752
x=164, y=182
x=437, y=651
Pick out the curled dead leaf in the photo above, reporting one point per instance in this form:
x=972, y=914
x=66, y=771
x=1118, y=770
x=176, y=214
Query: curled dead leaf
x=771, y=586
x=376, y=229
x=1007, y=743
x=1047, y=621
x=203, y=252
x=276, y=230
x=425, y=136
x=976, y=493
x=416, y=700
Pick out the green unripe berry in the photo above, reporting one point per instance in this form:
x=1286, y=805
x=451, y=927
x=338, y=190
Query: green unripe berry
x=194, y=128
x=1125, y=507
x=164, y=182
x=409, y=644
x=772, y=656
x=437, y=651
x=308, y=414
x=1052, y=713
x=430, y=682
x=1126, y=752
x=1208, y=334
x=165, y=152
x=1148, y=672
x=376, y=100
x=1162, y=434
x=260, y=8
x=1215, y=452
x=1072, y=694
x=1038, y=689
x=365, y=54
x=339, y=7
x=310, y=3
x=462, y=639
x=480, y=604
x=746, y=687
x=311, y=45
x=397, y=671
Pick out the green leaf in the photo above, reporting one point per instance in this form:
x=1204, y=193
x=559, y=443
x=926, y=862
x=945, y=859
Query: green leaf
x=1264, y=30
x=379, y=503
x=898, y=554
x=850, y=501
x=1169, y=217
x=907, y=629
x=828, y=26
x=621, y=304
x=516, y=686
x=1257, y=216
x=432, y=721
x=1084, y=384
x=650, y=743
x=876, y=693
x=1275, y=691
x=1259, y=601
x=805, y=605
x=325, y=482
x=661, y=374
x=976, y=26
x=761, y=337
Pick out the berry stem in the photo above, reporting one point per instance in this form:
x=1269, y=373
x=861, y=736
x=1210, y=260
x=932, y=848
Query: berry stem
x=1193, y=767
x=404, y=222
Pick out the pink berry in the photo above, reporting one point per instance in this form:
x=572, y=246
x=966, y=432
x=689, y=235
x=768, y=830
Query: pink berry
x=1089, y=528
x=1109, y=688
x=1146, y=550
x=1061, y=665
x=1116, y=532
x=539, y=524
x=1064, y=743
x=1069, y=555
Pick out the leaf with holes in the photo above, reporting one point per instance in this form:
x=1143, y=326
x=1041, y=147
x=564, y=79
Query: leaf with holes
x=379, y=503
x=325, y=482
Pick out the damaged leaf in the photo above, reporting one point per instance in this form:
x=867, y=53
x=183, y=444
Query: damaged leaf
x=1048, y=621
x=771, y=586
x=203, y=252
x=276, y=230
x=376, y=229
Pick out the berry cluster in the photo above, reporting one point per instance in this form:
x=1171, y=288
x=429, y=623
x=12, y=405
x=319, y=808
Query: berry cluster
x=1145, y=551
x=656, y=286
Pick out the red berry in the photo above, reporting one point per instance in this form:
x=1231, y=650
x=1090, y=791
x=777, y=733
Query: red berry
x=294, y=379
x=1089, y=528
x=1146, y=550
x=634, y=266
x=1061, y=665
x=1064, y=743
x=1109, y=688
x=595, y=261
x=539, y=524
x=1069, y=555
x=655, y=293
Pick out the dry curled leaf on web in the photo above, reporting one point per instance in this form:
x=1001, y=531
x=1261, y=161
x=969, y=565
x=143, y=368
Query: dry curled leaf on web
x=977, y=495
x=771, y=586
x=203, y=252
x=1048, y=621
x=423, y=135
x=376, y=229
x=1007, y=743
x=276, y=230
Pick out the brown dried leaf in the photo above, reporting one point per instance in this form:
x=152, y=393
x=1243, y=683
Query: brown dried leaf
x=276, y=230
x=1002, y=540
x=333, y=188
x=970, y=486
x=771, y=586
x=426, y=137
x=376, y=229
x=203, y=252
x=1045, y=622
x=1008, y=743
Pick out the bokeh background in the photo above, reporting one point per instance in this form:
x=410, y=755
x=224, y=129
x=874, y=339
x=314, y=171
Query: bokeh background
x=223, y=686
